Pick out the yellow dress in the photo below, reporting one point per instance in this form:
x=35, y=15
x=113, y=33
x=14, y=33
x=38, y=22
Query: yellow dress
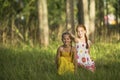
x=65, y=64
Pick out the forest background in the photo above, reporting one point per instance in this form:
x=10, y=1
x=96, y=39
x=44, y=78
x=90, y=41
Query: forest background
x=30, y=32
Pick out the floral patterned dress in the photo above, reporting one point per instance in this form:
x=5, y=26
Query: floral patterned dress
x=83, y=56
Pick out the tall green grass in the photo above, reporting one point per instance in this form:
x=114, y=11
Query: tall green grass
x=26, y=63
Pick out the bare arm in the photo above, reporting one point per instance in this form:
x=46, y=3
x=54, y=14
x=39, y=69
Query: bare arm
x=74, y=58
x=74, y=37
x=57, y=57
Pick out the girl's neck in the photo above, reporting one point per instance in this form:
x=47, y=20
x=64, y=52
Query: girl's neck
x=82, y=39
x=66, y=46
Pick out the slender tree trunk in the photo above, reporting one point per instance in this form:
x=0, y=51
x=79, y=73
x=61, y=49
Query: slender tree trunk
x=92, y=19
x=70, y=15
x=43, y=22
x=86, y=15
x=83, y=14
x=80, y=12
x=117, y=20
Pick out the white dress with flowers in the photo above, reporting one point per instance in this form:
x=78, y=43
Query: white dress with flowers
x=83, y=56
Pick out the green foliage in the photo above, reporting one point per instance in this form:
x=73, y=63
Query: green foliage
x=6, y=8
x=56, y=11
x=12, y=12
x=25, y=63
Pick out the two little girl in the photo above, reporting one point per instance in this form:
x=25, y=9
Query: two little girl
x=69, y=57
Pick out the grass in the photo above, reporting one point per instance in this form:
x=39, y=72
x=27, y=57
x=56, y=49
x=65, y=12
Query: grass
x=26, y=63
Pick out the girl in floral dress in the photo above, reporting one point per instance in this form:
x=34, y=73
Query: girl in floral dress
x=83, y=45
x=65, y=58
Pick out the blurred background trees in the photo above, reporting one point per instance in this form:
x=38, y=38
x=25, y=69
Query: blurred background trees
x=43, y=21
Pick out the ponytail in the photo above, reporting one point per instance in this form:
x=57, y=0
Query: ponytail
x=86, y=40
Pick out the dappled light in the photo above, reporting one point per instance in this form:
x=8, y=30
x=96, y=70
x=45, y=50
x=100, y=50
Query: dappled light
x=31, y=31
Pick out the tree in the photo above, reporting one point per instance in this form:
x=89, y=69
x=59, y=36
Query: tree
x=83, y=11
x=43, y=22
x=69, y=15
x=80, y=12
x=92, y=19
x=86, y=15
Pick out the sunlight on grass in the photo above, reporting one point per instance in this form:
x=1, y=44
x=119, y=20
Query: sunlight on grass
x=35, y=63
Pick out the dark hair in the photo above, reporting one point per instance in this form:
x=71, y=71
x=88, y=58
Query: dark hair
x=86, y=40
x=66, y=33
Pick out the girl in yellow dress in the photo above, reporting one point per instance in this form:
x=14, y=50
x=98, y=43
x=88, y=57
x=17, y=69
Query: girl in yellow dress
x=65, y=58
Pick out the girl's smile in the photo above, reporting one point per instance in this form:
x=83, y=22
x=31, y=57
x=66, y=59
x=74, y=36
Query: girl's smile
x=66, y=40
x=81, y=32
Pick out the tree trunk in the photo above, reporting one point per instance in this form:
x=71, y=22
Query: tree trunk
x=43, y=23
x=70, y=15
x=100, y=29
x=86, y=16
x=80, y=12
x=83, y=14
x=92, y=19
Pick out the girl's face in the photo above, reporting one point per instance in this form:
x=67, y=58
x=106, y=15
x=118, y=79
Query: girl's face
x=66, y=40
x=81, y=32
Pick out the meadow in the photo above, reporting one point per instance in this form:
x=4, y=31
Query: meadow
x=35, y=63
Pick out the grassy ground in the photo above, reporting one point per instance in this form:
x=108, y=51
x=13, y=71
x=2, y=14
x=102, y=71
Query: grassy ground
x=38, y=64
